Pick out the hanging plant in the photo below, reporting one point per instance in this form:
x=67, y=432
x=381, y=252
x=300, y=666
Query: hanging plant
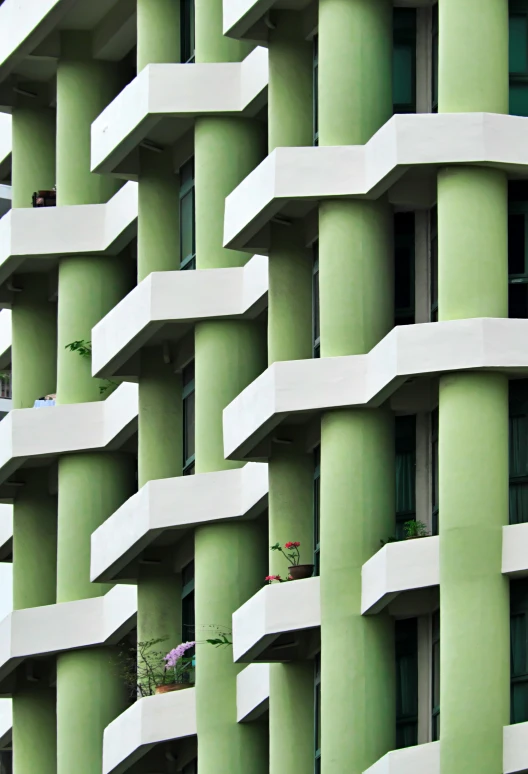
x=84, y=349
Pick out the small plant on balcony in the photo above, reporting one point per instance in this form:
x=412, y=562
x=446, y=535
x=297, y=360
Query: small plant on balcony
x=84, y=349
x=44, y=198
x=296, y=570
x=148, y=670
x=411, y=530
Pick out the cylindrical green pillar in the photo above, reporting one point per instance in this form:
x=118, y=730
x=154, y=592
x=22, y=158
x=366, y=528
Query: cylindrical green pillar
x=158, y=32
x=34, y=370
x=290, y=512
x=228, y=355
x=473, y=410
x=92, y=486
x=356, y=294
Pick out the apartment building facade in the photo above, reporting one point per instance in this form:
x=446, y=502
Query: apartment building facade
x=267, y=270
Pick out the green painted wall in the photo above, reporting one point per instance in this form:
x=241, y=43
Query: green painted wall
x=473, y=454
x=34, y=730
x=33, y=152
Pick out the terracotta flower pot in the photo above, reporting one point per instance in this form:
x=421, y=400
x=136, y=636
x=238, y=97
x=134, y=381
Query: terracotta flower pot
x=172, y=687
x=301, y=571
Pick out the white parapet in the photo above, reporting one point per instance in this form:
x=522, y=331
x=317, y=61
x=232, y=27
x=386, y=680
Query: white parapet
x=166, y=304
x=50, y=629
x=26, y=434
x=45, y=233
x=5, y=339
x=173, y=504
x=6, y=545
x=421, y=759
x=6, y=722
x=311, y=386
x=368, y=171
x=276, y=609
x=173, y=95
x=515, y=550
x=150, y=721
x=405, y=565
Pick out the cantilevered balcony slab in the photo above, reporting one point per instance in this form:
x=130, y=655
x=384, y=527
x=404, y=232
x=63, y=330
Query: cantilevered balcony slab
x=28, y=46
x=295, y=391
x=161, y=103
x=150, y=721
x=164, y=306
x=43, y=631
x=397, y=567
x=291, y=180
x=253, y=687
x=32, y=239
x=515, y=550
x=6, y=723
x=267, y=626
x=5, y=339
x=172, y=504
x=27, y=435
x=421, y=759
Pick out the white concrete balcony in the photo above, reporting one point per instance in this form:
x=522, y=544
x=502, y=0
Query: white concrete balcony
x=41, y=235
x=298, y=390
x=165, y=306
x=170, y=717
x=26, y=41
x=425, y=758
x=5, y=161
x=148, y=722
x=273, y=625
x=171, y=505
x=248, y=19
x=5, y=339
x=28, y=435
x=404, y=566
x=51, y=629
x=290, y=181
x=6, y=723
x=161, y=103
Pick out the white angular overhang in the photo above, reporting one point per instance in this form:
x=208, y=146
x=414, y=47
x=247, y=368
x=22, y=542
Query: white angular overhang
x=160, y=104
x=249, y=19
x=36, y=237
x=397, y=567
x=173, y=504
x=308, y=387
x=405, y=142
x=25, y=25
x=277, y=609
x=30, y=434
x=253, y=688
x=43, y=631
x=5, y=339
x=164, y=306
x=5, y=140
x=149, y=721
x=425, y=758
x=515, y=550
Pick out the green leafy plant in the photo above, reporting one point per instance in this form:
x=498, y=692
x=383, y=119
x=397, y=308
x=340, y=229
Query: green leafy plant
x=84, y=349
x=144, y=667
x=415, y=529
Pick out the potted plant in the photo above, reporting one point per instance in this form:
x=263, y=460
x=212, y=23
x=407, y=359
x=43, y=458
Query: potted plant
x=148, y=670
x=415, y=529
x=296, y=570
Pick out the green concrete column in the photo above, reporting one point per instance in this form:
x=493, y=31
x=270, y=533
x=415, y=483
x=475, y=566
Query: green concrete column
x=34, y=542
x=160, y=417
x=357, y=446
x=34, y=353
x=473, y=454
x=90, y=692
x=228, y=355
x=34, y=730
x=158, y=32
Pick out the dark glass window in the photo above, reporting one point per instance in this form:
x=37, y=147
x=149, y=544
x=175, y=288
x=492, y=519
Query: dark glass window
x=187, y=217
x=518, y=452
x=405, y=472
x=317, y=508
x=315, y=92
x=517, y=250
x=188, y=419
x=188, y=621
x=518, y=57
x=434, y=63
x=187, y=31
x=433, y=253
x=404, y=241
x=519, y=651
x=435, y=469
x=404, y=60
x=317, y=713
x=406, y=636
x=435, y=658
x=316, y=340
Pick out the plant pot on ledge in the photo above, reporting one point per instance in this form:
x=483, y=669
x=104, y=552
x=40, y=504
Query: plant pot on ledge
x=169, y=687
x=300, y=571
x=46, y=198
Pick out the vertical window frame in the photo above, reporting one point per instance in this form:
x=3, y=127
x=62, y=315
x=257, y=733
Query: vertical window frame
x=316, y=320
x=317, y=509
x=187, y=30
x=187, y=390
x=317, y=713
x=435, y=667
x=404, y=27
x=187, y=188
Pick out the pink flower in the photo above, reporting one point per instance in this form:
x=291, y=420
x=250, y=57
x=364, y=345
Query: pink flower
x=271, y=578
x=175, y=654
x=292, y=545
